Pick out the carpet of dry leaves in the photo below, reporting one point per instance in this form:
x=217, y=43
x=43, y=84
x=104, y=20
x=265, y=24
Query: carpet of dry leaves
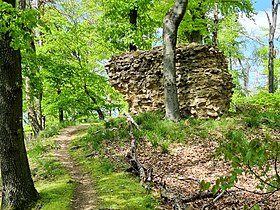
x=187, y=164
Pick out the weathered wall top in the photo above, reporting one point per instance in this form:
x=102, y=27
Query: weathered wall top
x=203, y=81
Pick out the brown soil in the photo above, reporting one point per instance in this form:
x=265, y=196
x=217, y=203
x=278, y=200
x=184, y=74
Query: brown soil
x=85, y=195
x=187, y=165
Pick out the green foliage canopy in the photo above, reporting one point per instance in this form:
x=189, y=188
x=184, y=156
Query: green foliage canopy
x=17, y=23
x=71, y=58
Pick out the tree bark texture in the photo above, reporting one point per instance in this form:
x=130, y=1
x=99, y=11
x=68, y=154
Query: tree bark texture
x=18, y=190
x=171, y=23
x=272, y=27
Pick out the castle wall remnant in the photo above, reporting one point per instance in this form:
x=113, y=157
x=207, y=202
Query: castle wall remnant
x=204, y=84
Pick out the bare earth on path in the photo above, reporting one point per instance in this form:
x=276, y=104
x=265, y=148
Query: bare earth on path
x=84, y=196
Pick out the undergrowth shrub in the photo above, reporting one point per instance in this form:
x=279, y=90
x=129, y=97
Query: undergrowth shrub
x=53, y=130
x=256, y=118
x=262, y=101
x=159, y=131
x=257, y=156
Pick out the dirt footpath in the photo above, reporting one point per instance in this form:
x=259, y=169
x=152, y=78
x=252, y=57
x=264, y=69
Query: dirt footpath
x=85, y=195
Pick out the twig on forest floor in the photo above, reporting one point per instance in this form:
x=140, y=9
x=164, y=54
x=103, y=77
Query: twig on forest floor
x=214, y=200
x=256, y=192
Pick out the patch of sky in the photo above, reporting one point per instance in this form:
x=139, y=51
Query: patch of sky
x=256, y=37
x=262, y=5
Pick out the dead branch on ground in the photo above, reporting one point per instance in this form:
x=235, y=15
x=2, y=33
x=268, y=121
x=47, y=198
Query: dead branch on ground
x=178, y=200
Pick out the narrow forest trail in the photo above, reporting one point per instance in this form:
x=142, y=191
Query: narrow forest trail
x=85, y=195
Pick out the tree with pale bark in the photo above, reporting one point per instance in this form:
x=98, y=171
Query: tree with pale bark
x=171, y=23
x=272, y=21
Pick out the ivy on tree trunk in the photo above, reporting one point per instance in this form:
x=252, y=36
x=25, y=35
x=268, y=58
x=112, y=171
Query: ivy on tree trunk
x=171, y=23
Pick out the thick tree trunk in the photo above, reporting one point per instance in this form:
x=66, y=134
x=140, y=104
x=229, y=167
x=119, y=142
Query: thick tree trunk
x=171, y=23
x=18, y=190
x=133, y=21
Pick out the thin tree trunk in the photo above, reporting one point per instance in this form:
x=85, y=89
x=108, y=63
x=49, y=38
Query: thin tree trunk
x=133, y=21
x=18, y=190
x=197, y=14
x=272, y=28
x=32, y=111
x=39, y=108
x=33, y=102
x=97, y=109
x=171, y=23
x=195, y=36
x=60, y=109
x=61, y=116
x=245, y=76
x=271, y=67
x=216, y=21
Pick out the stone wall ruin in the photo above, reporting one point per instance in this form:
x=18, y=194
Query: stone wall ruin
x=203, y=82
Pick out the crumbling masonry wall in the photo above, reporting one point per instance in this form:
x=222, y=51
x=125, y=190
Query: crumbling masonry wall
x=203, y=82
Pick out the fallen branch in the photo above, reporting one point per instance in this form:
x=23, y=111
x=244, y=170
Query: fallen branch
x=130, y=121
x=215, y=200
x=178, y=200
x=145, y=174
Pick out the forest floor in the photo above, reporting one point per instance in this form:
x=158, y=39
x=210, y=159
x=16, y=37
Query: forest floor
x=186, y=165
x=181, y=167
x=84, y=196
